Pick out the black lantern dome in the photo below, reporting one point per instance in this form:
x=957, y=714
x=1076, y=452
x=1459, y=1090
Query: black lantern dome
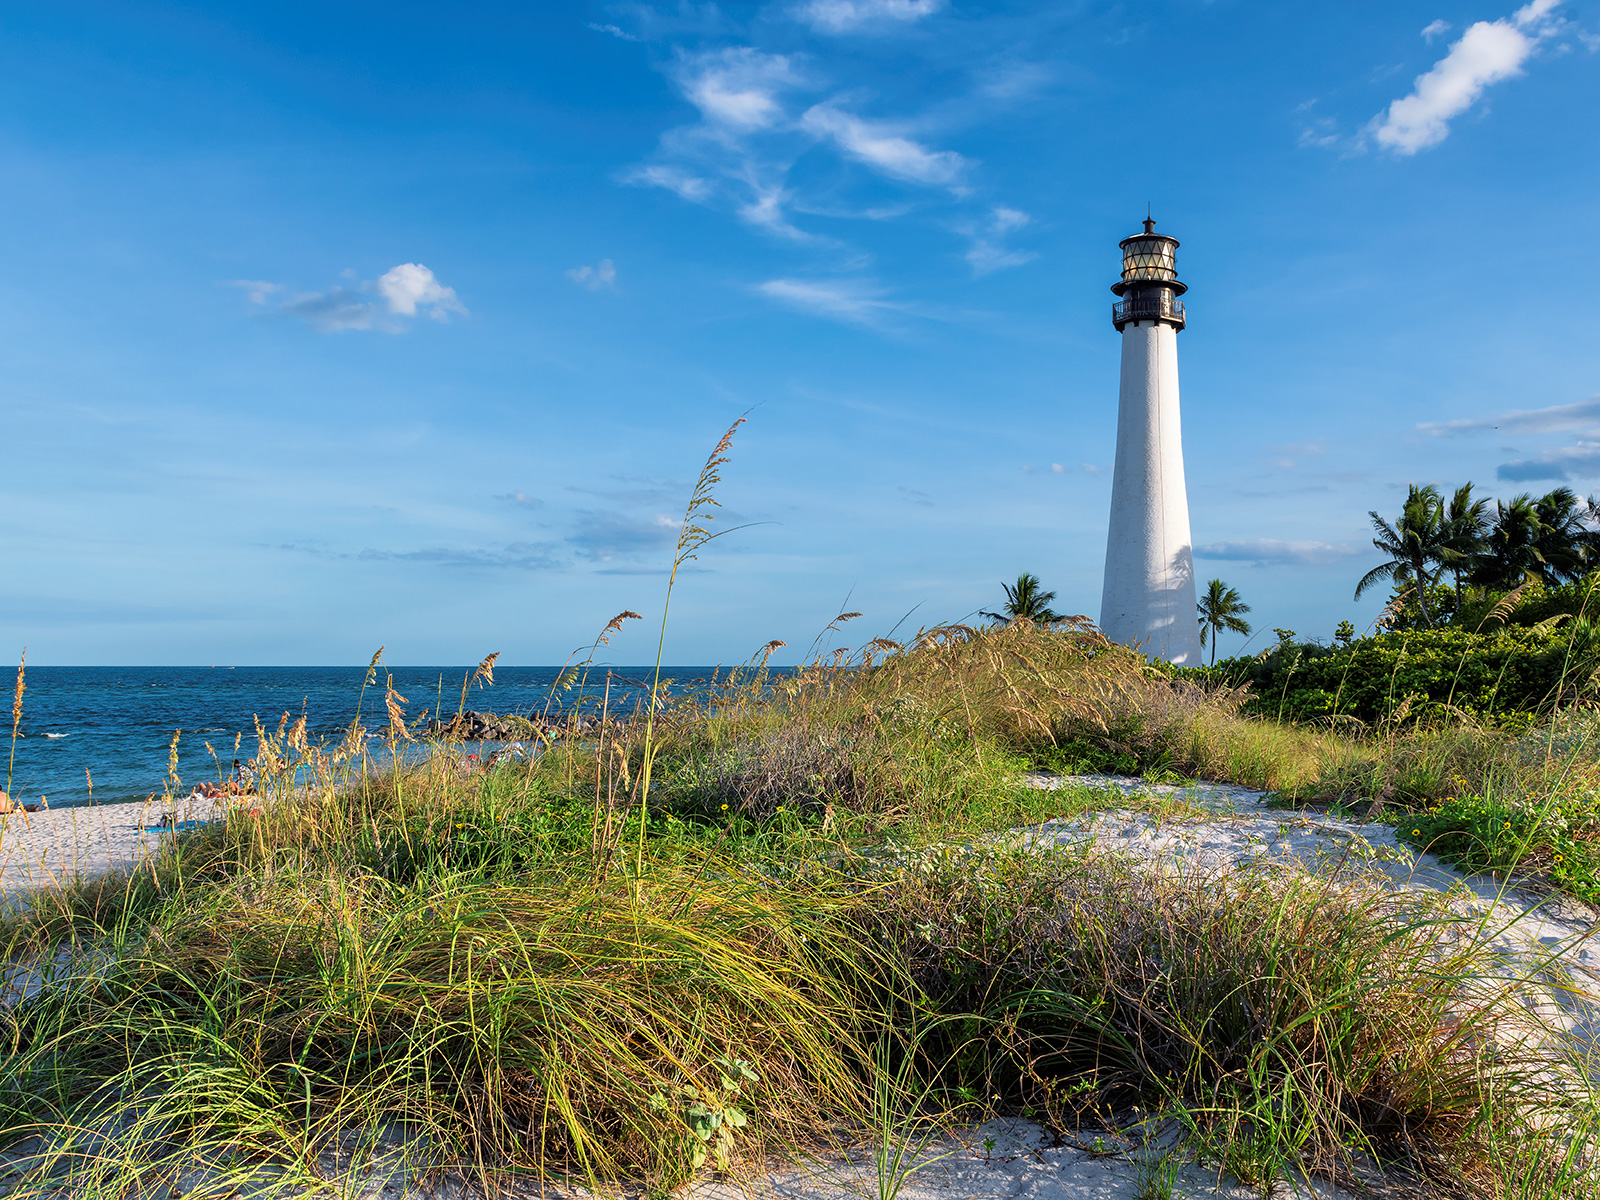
x=1149, y=286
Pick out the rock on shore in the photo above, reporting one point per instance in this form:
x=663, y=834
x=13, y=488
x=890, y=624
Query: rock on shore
x=491, y=727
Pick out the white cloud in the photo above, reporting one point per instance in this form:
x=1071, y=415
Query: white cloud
x=613, y=31
x=1584, y=415
x=844, y=300
x=737, y=86
x=882, y=147
x=1057, y=469
x=1432, y=30
x=1267, y=552
x=595, y=278
x=411, y=285
x=401, y=291
x=842, y=16
x=1486, y=53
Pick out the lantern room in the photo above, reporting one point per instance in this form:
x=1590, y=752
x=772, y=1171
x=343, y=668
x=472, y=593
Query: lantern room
x=1149, y=286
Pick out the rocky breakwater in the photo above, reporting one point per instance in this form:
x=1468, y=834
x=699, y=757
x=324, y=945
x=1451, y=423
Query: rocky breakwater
x=493, y=727
x=487, y=727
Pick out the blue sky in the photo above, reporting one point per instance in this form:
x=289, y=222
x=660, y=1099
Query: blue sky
x=325, y=326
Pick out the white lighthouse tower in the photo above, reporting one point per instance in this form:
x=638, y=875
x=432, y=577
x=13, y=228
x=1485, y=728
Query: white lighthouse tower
x=1148, y=598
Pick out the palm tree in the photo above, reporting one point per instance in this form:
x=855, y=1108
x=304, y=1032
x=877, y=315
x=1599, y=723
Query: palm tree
x=1512, y=551
x=1414, y=543
x=1466, y=524
x=1220, y=609
x=1562, y=540
x=1026, y=602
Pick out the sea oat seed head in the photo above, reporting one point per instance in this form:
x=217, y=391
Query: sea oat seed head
x=16, y=700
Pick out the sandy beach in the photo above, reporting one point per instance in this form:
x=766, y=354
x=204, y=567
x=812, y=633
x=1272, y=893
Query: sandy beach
x=50, y=848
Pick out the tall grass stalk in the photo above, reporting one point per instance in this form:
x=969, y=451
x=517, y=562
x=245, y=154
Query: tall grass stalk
x=693, y=534
x=16, y=715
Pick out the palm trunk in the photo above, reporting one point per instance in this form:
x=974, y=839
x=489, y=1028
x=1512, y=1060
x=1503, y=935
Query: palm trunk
x=1418, y=570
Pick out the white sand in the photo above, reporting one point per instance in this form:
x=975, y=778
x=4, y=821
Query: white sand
x=50, y=848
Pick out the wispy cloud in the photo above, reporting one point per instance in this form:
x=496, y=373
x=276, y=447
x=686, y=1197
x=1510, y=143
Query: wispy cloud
x=517, y=556
x=638, y=490
x=595, y=278
x=689, y=186
x=1558, y=418
x=884, y=147
x=739, y=153
x=334, y=310
x=846, y=16
x=784, y=142
x=1581, y=461
x=521, y=499
x=613, y=31
x=1267, y=552
x=603, y=535
x=851, y=300
x=1488, y=52
x=258, y=291
x=988, y=253
x=1430, y=31
x=405, y=291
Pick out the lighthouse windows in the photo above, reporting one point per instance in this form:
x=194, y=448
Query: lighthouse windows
x=1149, y=258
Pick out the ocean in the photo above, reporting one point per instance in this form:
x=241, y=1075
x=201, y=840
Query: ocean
x=117, y=723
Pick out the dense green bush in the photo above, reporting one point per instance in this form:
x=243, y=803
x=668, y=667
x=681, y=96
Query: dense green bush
x=1416, y=674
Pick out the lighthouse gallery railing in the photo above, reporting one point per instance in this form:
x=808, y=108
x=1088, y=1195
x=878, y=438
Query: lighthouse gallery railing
x=1148, y=309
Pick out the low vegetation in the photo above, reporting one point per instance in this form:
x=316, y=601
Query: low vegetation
x=539, y=968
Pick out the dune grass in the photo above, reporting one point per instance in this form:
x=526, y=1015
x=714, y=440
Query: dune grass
x=541, y=969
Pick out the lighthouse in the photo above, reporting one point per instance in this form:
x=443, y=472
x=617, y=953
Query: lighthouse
x=1148, y=597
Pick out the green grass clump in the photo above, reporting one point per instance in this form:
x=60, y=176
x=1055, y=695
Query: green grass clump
x=1282, y=1016
x=541, y=1021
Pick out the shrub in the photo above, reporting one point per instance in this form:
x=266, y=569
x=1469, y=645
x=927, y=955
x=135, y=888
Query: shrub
x=1480, y=833
x=1426, y=675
